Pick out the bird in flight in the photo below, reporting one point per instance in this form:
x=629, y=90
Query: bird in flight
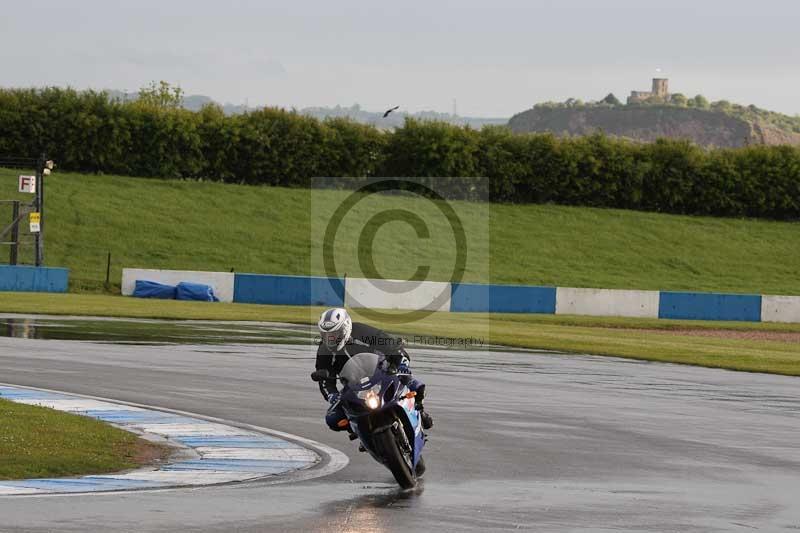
x=386, y=114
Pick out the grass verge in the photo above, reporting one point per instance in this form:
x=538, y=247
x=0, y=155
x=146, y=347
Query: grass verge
x=37, y=442
x=672, y=341
x=185, y=225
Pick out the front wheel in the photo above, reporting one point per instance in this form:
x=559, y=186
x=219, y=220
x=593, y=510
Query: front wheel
x=397, y=459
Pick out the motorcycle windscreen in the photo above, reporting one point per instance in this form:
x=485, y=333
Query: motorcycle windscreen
x=359, y=366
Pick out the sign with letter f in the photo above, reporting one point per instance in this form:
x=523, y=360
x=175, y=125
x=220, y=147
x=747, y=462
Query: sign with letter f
x=27, y=184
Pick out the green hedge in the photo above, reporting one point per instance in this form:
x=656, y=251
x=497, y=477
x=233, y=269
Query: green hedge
x=87, y=132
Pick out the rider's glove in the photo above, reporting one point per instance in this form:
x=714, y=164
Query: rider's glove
x=403, y=367
x=333, y=398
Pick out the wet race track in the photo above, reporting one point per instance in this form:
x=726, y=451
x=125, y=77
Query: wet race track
x=523, y=440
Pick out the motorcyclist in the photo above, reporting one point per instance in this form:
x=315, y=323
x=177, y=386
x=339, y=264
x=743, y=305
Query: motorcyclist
x=340, y=339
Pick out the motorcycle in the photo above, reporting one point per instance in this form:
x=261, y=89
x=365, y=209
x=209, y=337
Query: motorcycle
x=382, y=414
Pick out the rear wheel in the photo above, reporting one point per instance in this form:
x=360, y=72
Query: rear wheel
x=397, y=454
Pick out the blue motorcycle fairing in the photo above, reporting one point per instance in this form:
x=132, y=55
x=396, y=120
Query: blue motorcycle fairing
x=392, y=393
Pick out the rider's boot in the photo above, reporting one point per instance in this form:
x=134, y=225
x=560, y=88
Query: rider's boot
x=420, y=469
x=427, y=420
x=419, y=400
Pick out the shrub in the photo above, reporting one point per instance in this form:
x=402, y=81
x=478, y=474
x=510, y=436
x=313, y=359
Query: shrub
x=89, y=132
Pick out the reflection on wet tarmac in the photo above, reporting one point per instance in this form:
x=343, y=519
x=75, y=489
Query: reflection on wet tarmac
x=131, y=331
x=157, y=332
x=366, y=513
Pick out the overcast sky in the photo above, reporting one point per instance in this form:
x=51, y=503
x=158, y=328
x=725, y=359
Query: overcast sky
x=494, y=57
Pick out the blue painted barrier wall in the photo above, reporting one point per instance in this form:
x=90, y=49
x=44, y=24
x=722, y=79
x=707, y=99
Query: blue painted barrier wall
x=288, y=290
x=709, y=306
x=471, y=297
x=467, y=297
x=33, y=279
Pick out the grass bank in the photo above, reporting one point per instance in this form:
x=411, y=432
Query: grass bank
x=36, y=442
x=753, y=347
x=212, y=226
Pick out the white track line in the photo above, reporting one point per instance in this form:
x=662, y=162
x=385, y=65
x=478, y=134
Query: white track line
x=214, y=450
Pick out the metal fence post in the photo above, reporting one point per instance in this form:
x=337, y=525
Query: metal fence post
x=40, y=208
x=108, y=272
x=14, y=254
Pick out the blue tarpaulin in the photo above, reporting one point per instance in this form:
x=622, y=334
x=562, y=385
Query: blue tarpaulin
x=153, y=289
x=195, y=291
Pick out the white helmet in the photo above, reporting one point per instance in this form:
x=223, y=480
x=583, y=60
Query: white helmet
x=335, y=327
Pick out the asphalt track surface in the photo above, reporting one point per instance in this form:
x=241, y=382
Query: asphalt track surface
x=522, y=440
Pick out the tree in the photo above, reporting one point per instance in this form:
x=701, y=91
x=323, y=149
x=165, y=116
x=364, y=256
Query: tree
x=678, y=99
x=611, y=99
x=700, y=102
x=722, y=105
x=161, y=95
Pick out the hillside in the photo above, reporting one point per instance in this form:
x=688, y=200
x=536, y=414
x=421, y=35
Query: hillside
x=213, y=226
x=646, y=123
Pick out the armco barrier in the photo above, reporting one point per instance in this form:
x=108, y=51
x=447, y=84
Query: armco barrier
x=288, y=290
x=607, y=302
x=710, y=306
x=221, y=282
x=471, y=297
x=33, y=279
x=397, y=294
x=780, y=308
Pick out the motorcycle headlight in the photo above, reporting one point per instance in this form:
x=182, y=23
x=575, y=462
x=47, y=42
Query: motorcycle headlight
x=372, y=400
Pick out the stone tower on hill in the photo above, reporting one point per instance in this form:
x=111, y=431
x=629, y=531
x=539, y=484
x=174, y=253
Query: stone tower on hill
x=660, y=90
